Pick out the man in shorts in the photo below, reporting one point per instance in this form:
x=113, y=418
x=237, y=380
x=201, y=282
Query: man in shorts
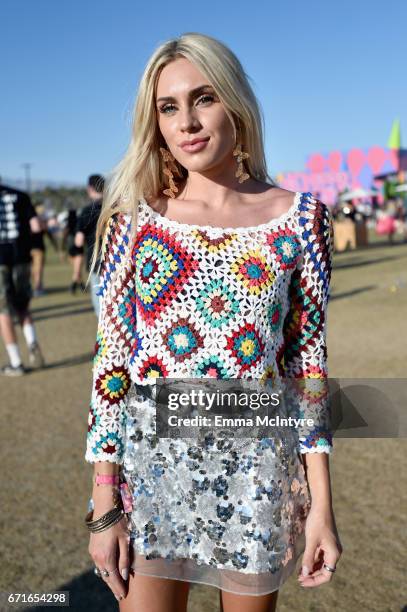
x=19, y=225
x=86, y=231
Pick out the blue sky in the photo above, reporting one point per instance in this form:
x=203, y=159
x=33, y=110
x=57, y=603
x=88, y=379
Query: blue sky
x=327, y=74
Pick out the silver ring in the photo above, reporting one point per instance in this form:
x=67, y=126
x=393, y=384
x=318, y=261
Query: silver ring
x=107, y=572
x=97, y=571
x=329, y=568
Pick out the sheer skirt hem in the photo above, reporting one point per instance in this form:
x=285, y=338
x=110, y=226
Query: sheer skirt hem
x=232, y=581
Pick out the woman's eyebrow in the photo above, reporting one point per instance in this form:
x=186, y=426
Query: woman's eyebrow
x=191, y=94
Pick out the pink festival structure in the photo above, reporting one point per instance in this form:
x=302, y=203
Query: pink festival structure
x=326, y=175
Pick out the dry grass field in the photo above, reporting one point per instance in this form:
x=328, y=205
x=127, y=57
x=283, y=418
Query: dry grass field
x=46, y=483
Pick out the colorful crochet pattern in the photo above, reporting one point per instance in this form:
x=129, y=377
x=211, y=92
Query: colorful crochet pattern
x=200, y=301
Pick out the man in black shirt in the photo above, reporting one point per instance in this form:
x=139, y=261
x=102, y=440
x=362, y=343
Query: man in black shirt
x=19, y=229
x=86, y=231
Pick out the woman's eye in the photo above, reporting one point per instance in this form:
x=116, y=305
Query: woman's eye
x=207, y=97
x=163, y=109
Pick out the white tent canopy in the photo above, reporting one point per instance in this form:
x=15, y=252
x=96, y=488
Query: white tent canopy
x=358, y=193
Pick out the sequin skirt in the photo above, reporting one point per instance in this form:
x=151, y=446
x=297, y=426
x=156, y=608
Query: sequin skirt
x=229, y=513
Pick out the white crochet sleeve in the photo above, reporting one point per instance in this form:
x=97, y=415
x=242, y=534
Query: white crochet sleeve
x=111, y=378
x=305, y=350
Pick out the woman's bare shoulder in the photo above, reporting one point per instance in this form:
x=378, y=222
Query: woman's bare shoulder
x=278, y=200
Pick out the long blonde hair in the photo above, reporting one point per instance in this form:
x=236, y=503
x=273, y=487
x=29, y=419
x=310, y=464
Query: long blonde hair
x=139, y=174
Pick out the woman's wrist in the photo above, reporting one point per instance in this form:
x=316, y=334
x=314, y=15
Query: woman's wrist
x=321, y=505
x=322, y=509
x=106, y=467
x=105, y=499
x=103, y=496
x=319, y=483
x=103, y=491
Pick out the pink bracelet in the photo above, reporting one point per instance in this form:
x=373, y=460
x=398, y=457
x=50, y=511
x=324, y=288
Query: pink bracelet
x=126, y=497
x=107, y=479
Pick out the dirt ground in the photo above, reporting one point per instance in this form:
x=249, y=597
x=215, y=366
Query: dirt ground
x=46, y=482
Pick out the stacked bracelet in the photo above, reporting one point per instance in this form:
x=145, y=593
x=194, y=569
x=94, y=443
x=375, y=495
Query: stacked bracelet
x=105, y=521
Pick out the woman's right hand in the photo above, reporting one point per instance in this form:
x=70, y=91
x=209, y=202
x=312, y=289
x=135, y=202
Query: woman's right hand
x=109, y=550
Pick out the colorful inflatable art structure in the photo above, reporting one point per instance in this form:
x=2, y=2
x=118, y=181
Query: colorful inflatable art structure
x=328, y=174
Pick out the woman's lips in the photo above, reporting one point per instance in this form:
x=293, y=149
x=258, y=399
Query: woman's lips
x=197, y=146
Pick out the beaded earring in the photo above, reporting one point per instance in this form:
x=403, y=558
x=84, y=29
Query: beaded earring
x=240, y=156
x=169, y=168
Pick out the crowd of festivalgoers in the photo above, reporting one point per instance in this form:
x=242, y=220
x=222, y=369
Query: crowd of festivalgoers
x=388, y=218
x=22, y=260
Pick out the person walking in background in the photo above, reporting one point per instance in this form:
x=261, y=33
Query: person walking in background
x=385, y=222
x=39, y=249
x=38, y=254
x=86, y=230
x=75, y=253
x=18, y=219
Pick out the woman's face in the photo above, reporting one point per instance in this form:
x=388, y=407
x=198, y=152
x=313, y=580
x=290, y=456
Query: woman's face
x=188, y=109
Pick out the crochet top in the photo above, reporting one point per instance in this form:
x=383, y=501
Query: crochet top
x=200, y=301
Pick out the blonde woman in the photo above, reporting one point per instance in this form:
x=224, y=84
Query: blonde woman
x=209, y=271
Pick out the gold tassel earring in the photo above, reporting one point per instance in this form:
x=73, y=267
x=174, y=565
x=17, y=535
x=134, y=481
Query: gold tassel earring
x=169, y=168
x=241, y=174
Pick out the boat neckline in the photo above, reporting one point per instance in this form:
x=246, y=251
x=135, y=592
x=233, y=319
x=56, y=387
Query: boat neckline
x=193, y=226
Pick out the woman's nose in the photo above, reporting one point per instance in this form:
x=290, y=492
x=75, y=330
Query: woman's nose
x=188, y=119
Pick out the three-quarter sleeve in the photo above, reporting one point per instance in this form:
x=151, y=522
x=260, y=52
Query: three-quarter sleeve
x=111, y=377
x=305, y=326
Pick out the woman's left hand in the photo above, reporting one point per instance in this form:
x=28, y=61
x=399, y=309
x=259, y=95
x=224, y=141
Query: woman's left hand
x=322, y=545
